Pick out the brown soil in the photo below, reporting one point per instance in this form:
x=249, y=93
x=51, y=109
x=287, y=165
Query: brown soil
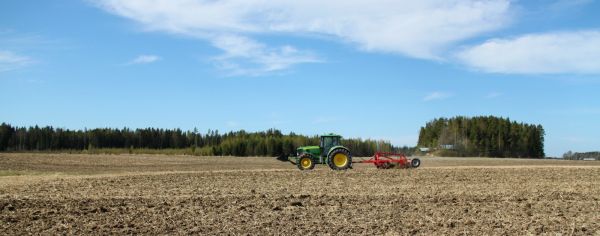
x=122, y=194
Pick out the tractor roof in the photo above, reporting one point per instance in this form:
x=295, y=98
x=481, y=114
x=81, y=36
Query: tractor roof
x=331, y=135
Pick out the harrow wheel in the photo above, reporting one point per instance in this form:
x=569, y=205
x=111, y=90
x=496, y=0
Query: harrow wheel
x=305, y=163
x=414, y=163
x=339, y=159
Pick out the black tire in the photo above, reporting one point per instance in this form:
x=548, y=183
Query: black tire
x=414, y=163
x=339, y=165
x=301, y=163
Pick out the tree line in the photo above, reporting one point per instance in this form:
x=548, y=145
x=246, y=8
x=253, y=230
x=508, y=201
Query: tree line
x=236, y=143
x=581, y=155
x=483, y=136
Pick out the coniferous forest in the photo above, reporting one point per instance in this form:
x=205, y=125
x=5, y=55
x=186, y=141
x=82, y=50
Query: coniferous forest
x=484, y=136
x=151, y=140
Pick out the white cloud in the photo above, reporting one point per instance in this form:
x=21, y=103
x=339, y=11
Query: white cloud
x=12, y=61
x=548, y=53
x=144, y=59
x=437, y=96
x=420, y=29
x=244, y=56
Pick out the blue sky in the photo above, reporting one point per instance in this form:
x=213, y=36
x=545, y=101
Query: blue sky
x=371, y=69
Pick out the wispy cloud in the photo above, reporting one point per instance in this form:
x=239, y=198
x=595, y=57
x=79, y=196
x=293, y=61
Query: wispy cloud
x=493, y=95
x=419, y=29
x=547, y=53
x=11, y=61
x=18, y=41
x=244, y=56
x=437, y=96
x=144, y=59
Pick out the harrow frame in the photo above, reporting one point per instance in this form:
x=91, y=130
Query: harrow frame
x=387, y=160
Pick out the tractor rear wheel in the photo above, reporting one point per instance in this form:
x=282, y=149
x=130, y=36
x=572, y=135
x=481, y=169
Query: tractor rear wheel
x=305, y=163
x=339, y=159
x=414, y=163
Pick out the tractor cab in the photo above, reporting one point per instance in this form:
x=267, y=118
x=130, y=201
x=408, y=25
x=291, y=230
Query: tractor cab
x=328, y=141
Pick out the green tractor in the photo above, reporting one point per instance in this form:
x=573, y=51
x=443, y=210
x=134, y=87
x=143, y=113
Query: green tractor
x=330, y=152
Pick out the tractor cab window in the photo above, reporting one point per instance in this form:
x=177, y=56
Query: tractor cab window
x=324, y=142
x=335, y=141
x=328, y=142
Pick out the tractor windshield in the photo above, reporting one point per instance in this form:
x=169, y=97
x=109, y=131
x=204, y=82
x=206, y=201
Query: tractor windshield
x=335, y=141
x=328, y=142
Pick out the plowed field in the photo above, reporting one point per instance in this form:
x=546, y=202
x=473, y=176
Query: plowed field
x=136, y=194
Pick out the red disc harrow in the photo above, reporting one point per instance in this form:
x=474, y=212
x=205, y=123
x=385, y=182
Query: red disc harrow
x=388, y=160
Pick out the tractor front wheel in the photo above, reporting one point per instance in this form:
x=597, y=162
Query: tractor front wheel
x=339, y=159
x=305, y=163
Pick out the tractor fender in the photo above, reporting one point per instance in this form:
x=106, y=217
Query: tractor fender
x=338, y=147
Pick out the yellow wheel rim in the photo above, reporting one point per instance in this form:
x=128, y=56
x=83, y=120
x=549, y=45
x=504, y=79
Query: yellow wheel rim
x=305, y=162
x=340, y=160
